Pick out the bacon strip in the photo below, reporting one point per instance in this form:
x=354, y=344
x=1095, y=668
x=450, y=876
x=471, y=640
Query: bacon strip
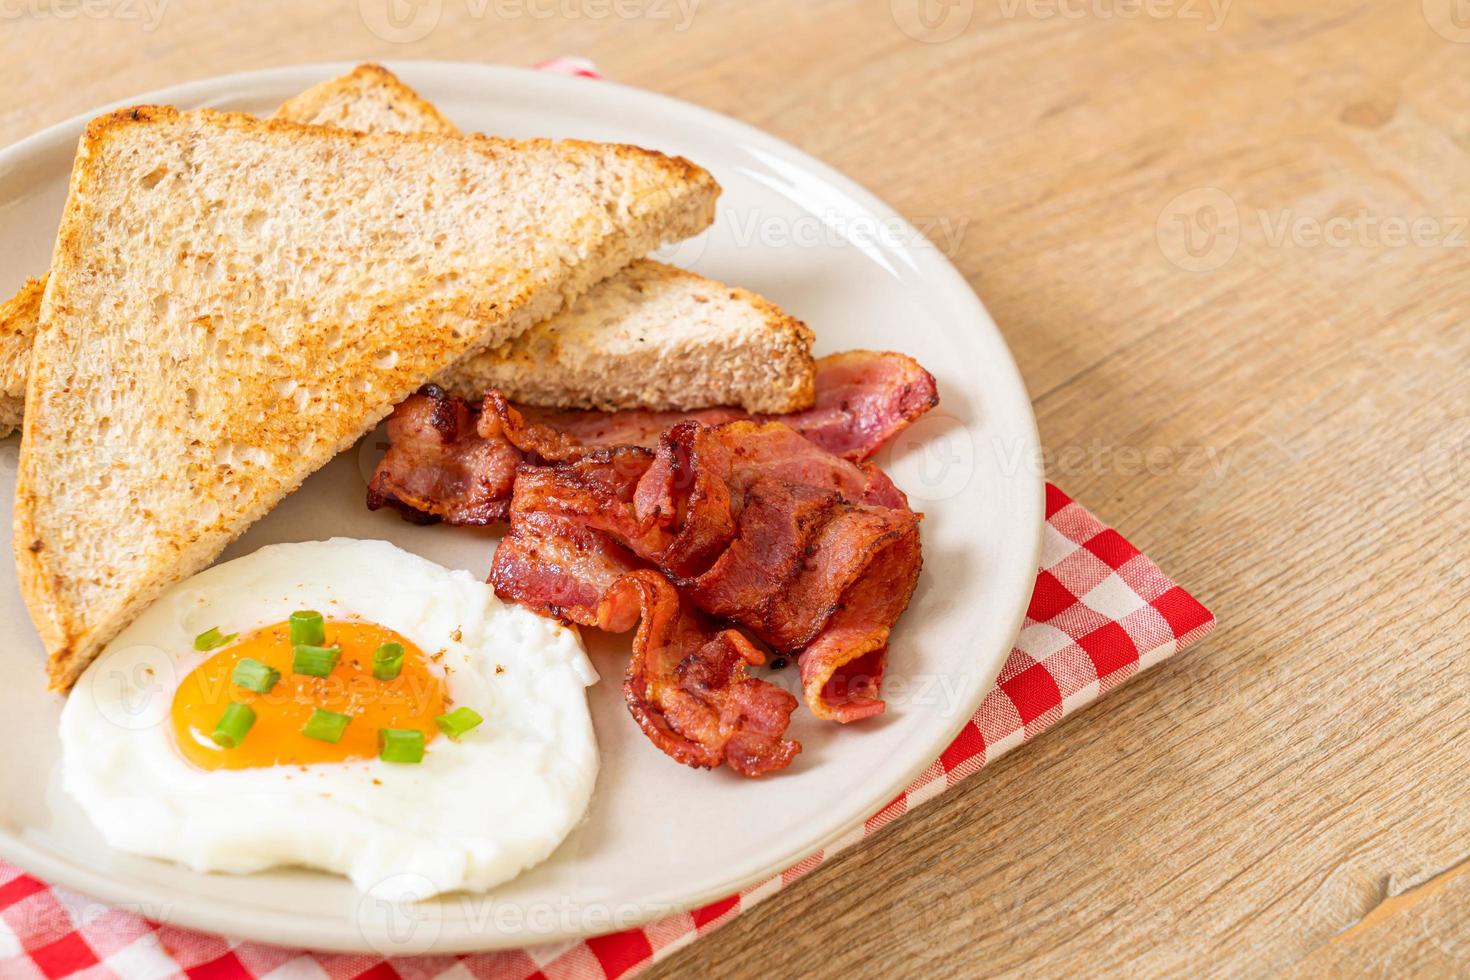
x=499, y=419
x=438, y=466
x=687, y=685
x=552, y=559
x=454, y=463
x=811, y=574
x=701, y=475
x=756, y=525
x=843, y=667
x=864, y=399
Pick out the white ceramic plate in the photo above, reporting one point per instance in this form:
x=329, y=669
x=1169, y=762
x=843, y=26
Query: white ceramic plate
x=659, y=837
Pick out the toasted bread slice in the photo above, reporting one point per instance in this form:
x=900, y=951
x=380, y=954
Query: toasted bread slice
x=653, y=336
x=234, y=301
x=368, y=98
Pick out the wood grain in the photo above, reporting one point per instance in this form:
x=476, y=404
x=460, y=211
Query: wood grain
x=1228, y=246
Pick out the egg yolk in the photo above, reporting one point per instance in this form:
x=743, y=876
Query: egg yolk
x=410, y=700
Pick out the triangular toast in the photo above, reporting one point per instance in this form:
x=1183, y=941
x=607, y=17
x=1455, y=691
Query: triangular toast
x=611, y=350
x=234, y=301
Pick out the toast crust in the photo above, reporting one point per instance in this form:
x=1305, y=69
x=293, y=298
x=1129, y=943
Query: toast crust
x=18, y=318
x=108, y=125
x=177, y=522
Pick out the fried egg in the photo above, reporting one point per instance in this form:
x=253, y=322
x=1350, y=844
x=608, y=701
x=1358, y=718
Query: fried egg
x=214, y=733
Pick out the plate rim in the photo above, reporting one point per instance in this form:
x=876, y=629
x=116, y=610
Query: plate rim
x=277, y=927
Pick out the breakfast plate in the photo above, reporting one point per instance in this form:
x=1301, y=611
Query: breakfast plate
x=658, y=838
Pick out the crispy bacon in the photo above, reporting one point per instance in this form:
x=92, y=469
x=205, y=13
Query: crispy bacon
x=864, y=399
x=451, y=462
x=756, y=525
x=687, y=686
x=842, y=669
x=439, y=468
x=552, y=559
x=499, y=419
x=778, y=527
x=812, y=574
x=700, y=477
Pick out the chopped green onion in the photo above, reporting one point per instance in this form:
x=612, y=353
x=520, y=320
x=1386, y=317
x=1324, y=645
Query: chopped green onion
x=388, y=661
x=233, y=724
x=315, y=661
x=308, y=628
x=326, y=726
x=255, y=676
x=458, y=721
x=212, y=639
x=400, y=745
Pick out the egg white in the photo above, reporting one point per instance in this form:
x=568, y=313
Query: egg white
x=474, y=813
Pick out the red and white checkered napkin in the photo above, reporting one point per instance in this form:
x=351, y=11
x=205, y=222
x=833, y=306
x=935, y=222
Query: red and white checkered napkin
x=1101, y=612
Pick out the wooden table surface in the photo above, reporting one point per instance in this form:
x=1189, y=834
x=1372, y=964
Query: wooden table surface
x=1229, y=243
